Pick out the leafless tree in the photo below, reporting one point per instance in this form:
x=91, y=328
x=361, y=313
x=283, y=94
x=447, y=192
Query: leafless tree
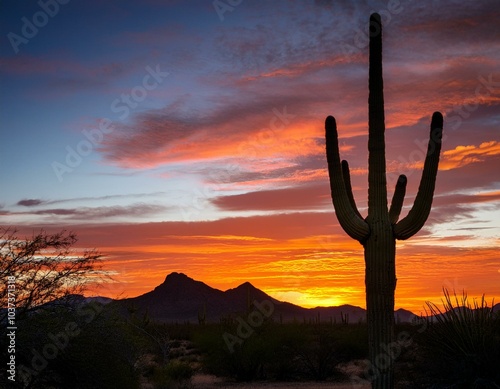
x=43, y=268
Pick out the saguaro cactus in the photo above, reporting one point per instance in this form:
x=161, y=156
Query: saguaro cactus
x=380, y=229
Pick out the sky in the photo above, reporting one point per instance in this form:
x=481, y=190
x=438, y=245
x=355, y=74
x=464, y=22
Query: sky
x=188, y=136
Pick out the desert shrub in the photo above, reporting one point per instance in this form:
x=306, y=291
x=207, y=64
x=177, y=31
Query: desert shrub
x=319, y=355
x=179, y=371
x=247, y=361
x=209, y=341
x=180, y=331
x=462, y=341
x=283, y=341
x=174, y=375
x=281, y=351
x=351, y=342
x=325, y=347
x=85, y=347
x=241, y=358
x=226, y=353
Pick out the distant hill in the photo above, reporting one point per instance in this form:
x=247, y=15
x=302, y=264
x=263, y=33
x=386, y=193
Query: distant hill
x=180, y=298
x=404, y=316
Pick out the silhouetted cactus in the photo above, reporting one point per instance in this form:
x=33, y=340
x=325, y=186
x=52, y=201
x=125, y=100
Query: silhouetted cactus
x=202, y=315
x=380, y=229
x=344, y=318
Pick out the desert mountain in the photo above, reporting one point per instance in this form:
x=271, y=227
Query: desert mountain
x=180, y=298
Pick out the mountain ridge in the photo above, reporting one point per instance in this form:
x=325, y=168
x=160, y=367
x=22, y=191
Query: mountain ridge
x=181, y=298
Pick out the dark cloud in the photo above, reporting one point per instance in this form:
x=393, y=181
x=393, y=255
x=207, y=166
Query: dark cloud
x=468, y=23
x=474, y=176
x=30, y=202
x=97, y=213
x=107, y=197
x=105, y=212
x=35, y=202
x=60, y=211
x=454, y=207
x=277, y=226
x=299, y=198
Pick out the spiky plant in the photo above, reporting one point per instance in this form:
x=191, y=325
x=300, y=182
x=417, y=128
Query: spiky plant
x=464, y=336
x=380, y=229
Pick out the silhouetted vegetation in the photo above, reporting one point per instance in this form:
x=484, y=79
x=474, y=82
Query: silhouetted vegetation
x=173, y=374
x=462, y=343
x=289, y=351
x=79, y=347
x=44, y=267
x=103, y=348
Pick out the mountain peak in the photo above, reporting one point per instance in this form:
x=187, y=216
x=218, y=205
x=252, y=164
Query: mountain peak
x=246, y=285
x=174, y=276
x=176, y=280
x=244, y=288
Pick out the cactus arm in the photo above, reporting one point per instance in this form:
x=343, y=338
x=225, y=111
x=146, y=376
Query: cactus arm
x=347, y=182
x=397, y=199
x=352, y=224
x=377, y=186
x=418, y=214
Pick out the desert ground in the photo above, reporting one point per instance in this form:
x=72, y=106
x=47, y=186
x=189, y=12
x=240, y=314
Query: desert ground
x=201, y=381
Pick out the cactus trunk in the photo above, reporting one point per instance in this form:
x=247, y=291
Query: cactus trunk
x=380, y=247
x=380, y=280
x=379, y=231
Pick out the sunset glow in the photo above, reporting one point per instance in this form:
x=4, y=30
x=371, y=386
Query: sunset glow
x=173, y=138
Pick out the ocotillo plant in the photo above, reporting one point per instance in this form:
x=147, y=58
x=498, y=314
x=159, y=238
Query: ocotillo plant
x=380, y=229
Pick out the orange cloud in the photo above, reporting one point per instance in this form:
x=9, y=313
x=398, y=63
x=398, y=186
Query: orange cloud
x=465, y=155
x=456, y=158
x=298, y=69
x=304, y=258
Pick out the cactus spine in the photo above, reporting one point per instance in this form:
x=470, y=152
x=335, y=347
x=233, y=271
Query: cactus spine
x=380, y=229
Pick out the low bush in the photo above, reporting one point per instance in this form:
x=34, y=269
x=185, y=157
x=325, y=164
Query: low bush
x=281, y=351
x=174, y=375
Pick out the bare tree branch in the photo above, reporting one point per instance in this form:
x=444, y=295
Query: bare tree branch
x=45, y=267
